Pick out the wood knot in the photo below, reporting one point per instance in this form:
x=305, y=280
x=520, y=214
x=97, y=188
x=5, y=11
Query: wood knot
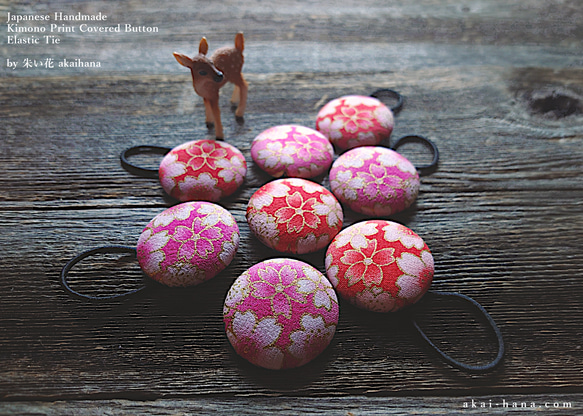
x=549, y=93
x=554, y=104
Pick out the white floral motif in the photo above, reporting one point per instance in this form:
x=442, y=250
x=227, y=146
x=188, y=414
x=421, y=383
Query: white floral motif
x=152, y=244
x=267, y=192
x=384, y=116
x=238, y=292
x=229, y=249
x=415, y=270
x=307, y=186
x=331, y=270
x=314, y=282
x=204, y=182
x=330, y=208
x=172, y=168
x=356, y=235
x=314, y=336
x=345, y=186
x=214, y=214
x=264, y=226
x=310, y=243
x=275, y=152
x=176, y=213
x=396, y=232
x=232, y=169
x=256, y=339
x=355, y=158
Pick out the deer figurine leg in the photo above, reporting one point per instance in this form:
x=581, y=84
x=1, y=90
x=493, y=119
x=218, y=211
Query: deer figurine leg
x=209, y=118
x=236, y=97
x=213, y=103
x=242, y=89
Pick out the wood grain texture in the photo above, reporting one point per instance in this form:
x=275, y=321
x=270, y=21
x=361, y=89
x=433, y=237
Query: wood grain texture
x=345, y=406
x=497, y=85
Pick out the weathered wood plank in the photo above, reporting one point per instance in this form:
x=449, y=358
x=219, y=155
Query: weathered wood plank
x=484, y=145
x=498, y=86
x=177, y=335
x=352, y=405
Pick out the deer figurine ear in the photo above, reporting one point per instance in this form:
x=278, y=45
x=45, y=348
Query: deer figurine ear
x=203, y=46
x=183, y=59
x=239, y=41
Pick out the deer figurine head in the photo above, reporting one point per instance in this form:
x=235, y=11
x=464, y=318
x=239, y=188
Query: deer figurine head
x=210, y=74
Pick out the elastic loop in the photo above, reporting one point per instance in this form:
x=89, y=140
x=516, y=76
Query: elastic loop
x=137, y=150
x=422, y=169
x=88, y=253
x=396, y=109
x=466, y=367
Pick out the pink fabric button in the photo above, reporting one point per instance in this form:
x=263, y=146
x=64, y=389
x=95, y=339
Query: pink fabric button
x=294, y=215
x=202, y=170
x=379, y=265
x=355, y=120
x=374, y=180
x=188, y=243
x=293, y=151
x=280, y=313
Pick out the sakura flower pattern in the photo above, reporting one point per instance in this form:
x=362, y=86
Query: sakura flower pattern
x=294, y=215
x=379, y=265
x=292, y=151
x=374, y=181
x=280, y=313
x=279, y=285
x=257, y=337
x=416, y=272
x=188, y=243
x=355, y=120
x=396, y=232
x=298, y=213
x=202, y=170
x=366, y=264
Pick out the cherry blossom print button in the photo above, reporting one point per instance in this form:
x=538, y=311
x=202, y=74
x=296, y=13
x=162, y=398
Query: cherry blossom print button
x=294, y=215
x=374, y=180
x=188, y=243
x=379, y=265
x=292, y=151
x=202, y=170
x=355, y=120
x=280, y=314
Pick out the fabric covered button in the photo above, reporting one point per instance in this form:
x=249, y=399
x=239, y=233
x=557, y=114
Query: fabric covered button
x=280, y=313
x=294, y=215
x=293, y=151
x=188, y=243
x=355, y=120
x=379, y=265
x=202, y=170
x=374, y=180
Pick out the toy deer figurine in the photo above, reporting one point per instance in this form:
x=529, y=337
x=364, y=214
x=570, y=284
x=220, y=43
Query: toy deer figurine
x=210, y=74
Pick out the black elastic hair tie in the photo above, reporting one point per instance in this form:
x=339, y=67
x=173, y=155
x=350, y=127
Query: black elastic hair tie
x=143, y=149
x=396, y=109
x=88, y=253
x=422, y=169
x=457, y=364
